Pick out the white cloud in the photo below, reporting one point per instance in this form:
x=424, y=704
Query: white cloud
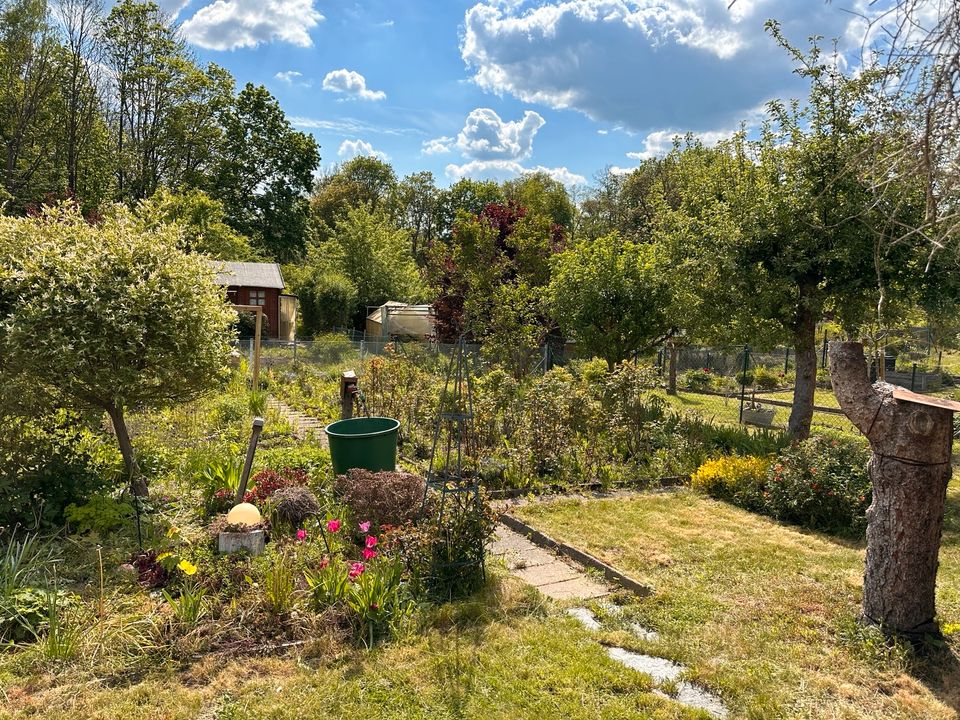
x=292, y=77
x=660, y=142
x=352, y=84
x=493, y=148
x=643, y=63
x=349, y=126
x=437, y=146
x=173, y=7
x=506, y=169
x=486, y=137
x=232, y=24
x=352, y=148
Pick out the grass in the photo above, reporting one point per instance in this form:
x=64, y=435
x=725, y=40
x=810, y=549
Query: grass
x=726, y=410
x=763, y=613
x=504, y=654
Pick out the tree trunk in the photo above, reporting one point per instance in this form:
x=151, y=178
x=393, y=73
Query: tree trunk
x=672, y=371
x=138, y=483
x=805, y=342
x=910, y=467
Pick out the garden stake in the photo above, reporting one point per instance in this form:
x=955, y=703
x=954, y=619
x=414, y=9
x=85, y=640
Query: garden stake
x=251, y=450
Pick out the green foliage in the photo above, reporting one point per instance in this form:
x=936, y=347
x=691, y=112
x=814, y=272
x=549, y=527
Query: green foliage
x=328, y=585
x=379, y=598
x=374, y=254
x=48, y=463
x=62, y=634
x=822, y=483
x=219, y=481
x=25, y=564
x=740, y=480
x=279, y=585
x=328, y=299
x=363, y=181
x=263, y=172
x=201, y=220
x=101, y=514
x=611, y=296
x=765, y=379
x=189, y=605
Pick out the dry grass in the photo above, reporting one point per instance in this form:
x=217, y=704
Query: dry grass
x=765, y=613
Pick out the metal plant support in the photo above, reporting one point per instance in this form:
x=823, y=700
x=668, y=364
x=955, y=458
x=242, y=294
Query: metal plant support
x=453, y=491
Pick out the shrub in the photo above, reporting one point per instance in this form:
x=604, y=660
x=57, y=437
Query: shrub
x=764, y=379
x=445, y=552
x=49, y=463
x=701, y=379
x=292, y=506
x=821, y=483
x=267, y=482
x=384, y=498
x=740, y=480
x=101, y=514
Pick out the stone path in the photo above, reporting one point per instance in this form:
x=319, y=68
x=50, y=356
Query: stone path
x=302, y=423
x=660, y=670
x=566, y=582
x=544, y=570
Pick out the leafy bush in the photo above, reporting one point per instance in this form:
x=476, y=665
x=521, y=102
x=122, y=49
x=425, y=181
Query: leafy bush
x=384, y=498
x=267, y=482
x=699, y=379
x=740, y=480
x=764, y=379
x=821, y=483
x=49, y=463
x=101, y=514
x=445, y=552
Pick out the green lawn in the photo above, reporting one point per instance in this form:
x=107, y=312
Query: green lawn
x=761, y=612
x=508, y=654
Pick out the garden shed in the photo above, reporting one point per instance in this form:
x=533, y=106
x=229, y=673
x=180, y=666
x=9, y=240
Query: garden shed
x=260, y=284
x=397, y=319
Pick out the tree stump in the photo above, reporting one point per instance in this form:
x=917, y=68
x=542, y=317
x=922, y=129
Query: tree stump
x=911, y=438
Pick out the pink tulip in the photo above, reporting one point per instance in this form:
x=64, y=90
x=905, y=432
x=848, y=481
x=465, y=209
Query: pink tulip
x=301, y=535
x=356, y=570
x=365, y=526
x=324, y=562
x=371, y=541
x=333, y=526
x=369, y=554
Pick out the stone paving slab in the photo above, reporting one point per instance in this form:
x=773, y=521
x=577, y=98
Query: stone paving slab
x=544, y=570
x=303, y=424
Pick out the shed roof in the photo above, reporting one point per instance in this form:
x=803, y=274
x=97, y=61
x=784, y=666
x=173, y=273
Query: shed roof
x=248, y=274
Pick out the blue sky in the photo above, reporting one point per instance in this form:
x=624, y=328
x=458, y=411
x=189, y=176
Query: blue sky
x=497, y=87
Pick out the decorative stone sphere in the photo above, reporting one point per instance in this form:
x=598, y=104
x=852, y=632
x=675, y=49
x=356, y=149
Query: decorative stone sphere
x=243, y=514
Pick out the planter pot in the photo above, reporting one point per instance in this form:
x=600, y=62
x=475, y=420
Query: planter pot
x=369, y=443
x=251, y=542
x=758, y=417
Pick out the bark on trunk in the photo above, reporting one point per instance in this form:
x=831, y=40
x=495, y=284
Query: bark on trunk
x=909, y=468
x=672, y=371
x=805, y=342
x=138, y=483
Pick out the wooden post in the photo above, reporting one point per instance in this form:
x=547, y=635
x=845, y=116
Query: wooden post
x=911, y=437
x=248, y=463
x=348, y=389
x=672, y=371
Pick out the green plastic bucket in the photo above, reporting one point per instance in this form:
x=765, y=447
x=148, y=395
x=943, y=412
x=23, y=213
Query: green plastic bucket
x=364, y=442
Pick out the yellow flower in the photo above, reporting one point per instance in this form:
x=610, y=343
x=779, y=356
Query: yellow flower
x=187, y=567
x=163, y=556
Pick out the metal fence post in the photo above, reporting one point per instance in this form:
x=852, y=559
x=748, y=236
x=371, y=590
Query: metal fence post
x=823, y=353
x=913, y=377
x=743, y=379
x=786, y=362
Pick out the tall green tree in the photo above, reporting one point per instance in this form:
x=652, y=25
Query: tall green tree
x=361, y=181
x=775, y=234
x=31, y=108
x=375, y=255
x=264, y=172
x=612, y=296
